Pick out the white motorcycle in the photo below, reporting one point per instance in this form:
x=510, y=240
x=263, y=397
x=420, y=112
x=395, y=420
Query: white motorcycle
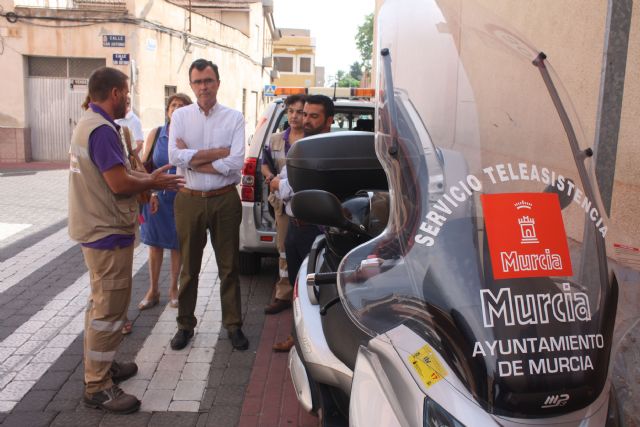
x=472, y=286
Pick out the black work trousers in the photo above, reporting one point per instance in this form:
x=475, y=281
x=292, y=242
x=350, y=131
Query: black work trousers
x=300, y=237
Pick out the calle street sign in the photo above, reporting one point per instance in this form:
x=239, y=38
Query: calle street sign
x=113, y=41
x=120, y=59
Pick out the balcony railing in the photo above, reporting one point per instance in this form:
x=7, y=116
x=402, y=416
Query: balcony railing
x=74, y=4
x=100, y=4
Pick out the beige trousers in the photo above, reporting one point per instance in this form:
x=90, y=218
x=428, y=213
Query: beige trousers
x=110, y=275
x=284, y=290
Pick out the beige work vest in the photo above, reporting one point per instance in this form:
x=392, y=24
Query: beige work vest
x=95, y=211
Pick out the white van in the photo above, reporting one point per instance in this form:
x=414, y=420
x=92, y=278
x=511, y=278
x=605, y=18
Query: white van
x=257, y=231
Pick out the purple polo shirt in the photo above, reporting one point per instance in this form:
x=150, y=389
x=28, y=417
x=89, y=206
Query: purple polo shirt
x=105, y=150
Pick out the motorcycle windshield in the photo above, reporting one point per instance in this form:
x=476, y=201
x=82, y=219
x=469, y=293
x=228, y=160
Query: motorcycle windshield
x=495, y=250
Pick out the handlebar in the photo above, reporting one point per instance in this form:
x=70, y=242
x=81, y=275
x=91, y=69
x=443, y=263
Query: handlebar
x=322, y=278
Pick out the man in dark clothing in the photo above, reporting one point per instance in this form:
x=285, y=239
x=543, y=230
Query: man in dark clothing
x=317, y=118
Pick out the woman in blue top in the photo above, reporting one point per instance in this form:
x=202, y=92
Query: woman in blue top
x=158, y=230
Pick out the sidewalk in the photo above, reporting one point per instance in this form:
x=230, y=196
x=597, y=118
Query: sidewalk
x=6, y=167
x=270, y=399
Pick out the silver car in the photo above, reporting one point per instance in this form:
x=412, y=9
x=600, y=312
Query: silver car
x=257, y=231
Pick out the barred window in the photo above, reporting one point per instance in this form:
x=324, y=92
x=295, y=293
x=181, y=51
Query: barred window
x=284, y=63
x=42, y=66
x=305, y=64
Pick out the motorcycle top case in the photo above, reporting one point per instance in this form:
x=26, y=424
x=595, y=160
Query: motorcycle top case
x=341, y=163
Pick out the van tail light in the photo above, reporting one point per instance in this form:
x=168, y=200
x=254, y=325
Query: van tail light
x=248, y=181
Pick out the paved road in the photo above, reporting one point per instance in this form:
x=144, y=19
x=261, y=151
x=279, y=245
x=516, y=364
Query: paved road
x=43, y=292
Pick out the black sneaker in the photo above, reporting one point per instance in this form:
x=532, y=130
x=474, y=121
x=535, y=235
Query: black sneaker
x=238, y=340
x=181, y=339
x=112, y=400
x=122, y=371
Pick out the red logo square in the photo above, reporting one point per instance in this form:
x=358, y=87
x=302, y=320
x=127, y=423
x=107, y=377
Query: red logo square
x=526, y=235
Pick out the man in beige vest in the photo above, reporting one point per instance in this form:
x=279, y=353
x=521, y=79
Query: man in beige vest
x=276, y=150
x=103, y=218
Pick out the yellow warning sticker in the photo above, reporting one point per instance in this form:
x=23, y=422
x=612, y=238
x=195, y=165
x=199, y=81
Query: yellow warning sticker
x=427, y=365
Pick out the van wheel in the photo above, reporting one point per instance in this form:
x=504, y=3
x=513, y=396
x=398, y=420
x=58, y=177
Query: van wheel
x=249, y=263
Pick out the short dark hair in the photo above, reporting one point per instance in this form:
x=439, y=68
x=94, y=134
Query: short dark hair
x=294, y=99
x=323, y=100
x=201, y=64
x=103, y=80
x=181, y=96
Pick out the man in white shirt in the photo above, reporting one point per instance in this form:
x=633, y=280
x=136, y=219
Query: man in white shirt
x=206, y=143
x=133, y=123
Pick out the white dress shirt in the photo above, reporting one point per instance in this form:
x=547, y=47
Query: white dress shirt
x=222, y=128
x=133, y=123
x=285, y=192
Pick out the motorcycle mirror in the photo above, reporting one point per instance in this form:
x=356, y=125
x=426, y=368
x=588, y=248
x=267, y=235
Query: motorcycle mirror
x=319, y=207
x=563, y=195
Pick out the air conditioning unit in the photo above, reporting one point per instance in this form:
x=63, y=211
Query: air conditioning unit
x=267, y=61
x=274, y=74
x=267, y=5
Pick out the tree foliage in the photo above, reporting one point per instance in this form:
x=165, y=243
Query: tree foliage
x=355, y=70
x=364, y=40
x=346, y=80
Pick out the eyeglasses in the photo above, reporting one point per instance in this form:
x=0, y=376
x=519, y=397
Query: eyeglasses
x=207, y=82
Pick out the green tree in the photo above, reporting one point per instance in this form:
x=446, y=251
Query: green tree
x=348, y=81
x=345, y=80
x=364, y=40
x=355, y=70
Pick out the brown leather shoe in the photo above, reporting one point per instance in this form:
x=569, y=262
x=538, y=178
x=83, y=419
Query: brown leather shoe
x=112, y=400
x=277, y=306
x=284, y=346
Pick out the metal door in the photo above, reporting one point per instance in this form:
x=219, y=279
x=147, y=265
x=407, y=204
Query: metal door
x=48, y=118
x=56, y=88
x=77, y=93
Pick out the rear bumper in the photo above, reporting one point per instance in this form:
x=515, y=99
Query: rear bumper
x=253, y=239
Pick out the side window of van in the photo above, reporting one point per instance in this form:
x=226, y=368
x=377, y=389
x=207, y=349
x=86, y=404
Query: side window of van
x=282, y=123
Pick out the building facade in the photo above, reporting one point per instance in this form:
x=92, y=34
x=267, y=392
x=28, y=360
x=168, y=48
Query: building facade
x=51, y=47
x=294, y=58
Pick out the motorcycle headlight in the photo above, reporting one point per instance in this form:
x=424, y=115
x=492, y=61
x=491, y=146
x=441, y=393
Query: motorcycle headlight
x=436, y=416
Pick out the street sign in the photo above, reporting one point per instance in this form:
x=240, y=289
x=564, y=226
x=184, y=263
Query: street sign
x=269, y=90
x=113, y=41
x=120, y=59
